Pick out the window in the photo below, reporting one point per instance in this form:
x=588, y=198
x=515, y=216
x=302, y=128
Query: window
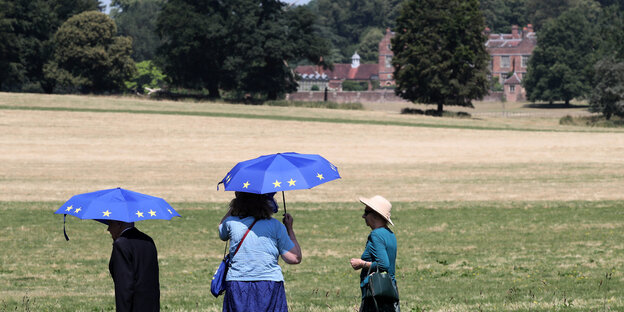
x=505, y=61
x=503, y=76
x=525, y=61
x=388, y=61
x=512, y=89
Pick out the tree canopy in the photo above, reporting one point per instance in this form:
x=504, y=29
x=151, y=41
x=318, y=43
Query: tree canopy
x=439, y=52
x=26, y=27
x=607, y=97
x=89, y=56
x=137, y=19
x=561, y=65
x=236, y=45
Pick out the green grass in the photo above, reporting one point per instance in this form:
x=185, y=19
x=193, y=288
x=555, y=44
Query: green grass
x=288, y=118
x=453, y=256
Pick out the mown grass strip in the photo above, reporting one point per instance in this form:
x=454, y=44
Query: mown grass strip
x=289, y=118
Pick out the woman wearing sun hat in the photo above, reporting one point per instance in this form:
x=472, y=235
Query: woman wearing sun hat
x=380, y=252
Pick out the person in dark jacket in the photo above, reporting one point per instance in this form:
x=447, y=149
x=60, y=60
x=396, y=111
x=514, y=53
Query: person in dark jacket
x=134, y=268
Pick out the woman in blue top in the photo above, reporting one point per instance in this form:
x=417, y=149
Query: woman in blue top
x=380, y=252
x=254, y=281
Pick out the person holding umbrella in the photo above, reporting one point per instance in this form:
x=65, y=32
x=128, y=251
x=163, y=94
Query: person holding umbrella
x=134, y=260
x=134, y=268
x=254, y=281
x=379, y=254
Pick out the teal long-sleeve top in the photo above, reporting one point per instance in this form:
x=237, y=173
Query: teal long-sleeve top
x=381, y=251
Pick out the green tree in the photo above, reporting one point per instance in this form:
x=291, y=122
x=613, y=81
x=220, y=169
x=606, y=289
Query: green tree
x=561, y=65
x=345, y=22
x=368, y=48
x=501, y=14
x=540, y=12
x=439, y=53
x=88, y=56
x=147, y=75
x=137, y=19
x=236, y=45
x=26, y=27
x=610, y=28
x=607, y=96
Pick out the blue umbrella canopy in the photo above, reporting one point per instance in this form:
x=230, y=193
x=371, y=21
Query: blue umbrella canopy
x=117, y=204
x=280, y=172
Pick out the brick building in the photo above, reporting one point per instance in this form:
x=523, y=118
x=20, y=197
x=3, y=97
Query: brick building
x=509, y=58
x=311, y=75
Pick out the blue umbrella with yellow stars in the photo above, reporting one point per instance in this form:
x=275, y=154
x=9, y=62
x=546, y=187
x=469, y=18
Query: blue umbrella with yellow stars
x=116, y=204
x=280, y=172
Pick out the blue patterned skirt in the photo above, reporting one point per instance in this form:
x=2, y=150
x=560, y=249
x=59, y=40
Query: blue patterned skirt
x=254, y=296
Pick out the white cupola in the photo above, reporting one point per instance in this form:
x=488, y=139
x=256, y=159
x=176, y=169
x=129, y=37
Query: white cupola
x=355, y=60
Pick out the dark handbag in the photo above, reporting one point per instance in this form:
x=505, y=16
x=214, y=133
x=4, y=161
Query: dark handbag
x=380, y=284
x=217, y=285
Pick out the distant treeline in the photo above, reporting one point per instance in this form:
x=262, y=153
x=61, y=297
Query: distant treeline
x=243, y=48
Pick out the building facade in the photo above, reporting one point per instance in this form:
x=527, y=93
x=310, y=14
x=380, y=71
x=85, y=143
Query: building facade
x=509, y=58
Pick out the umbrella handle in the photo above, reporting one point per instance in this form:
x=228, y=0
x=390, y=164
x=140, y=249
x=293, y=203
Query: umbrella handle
x=284, y=201
x=64, y=232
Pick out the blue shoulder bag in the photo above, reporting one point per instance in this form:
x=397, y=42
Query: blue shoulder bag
x=217, y=286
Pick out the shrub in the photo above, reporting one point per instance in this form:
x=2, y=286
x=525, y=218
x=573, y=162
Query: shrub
x=349, y=85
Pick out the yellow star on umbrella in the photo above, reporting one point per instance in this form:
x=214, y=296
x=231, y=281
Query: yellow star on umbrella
x=69, y=208
x=291, y=182
x=152, y=213
x=106, y=213
x=246, y=184
x=320, y=176
x=78, y=209
x=139, y=214
x=277, y=184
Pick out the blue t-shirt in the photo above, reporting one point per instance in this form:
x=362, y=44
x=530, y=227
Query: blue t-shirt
x=257, y=257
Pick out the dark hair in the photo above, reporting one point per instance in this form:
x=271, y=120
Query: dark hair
x=251, y=205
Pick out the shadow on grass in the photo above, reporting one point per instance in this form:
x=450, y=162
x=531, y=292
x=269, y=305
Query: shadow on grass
x=553, y=106
x=433, y=112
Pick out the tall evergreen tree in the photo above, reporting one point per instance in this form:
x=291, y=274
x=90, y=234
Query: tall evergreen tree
x=137, y=19
x=439, y=52
x=88, y=56
x=561, y=65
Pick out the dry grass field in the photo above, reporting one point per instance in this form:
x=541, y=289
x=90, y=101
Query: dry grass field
x=180, y=150
x=492, y=213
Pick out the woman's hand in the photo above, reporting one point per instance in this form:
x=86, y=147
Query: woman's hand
x=357, y=264
x=288, y=221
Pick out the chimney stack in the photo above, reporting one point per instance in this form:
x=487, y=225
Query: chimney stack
x=530, y=28
x=514, y=32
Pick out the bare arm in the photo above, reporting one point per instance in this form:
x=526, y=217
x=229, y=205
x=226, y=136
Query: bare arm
x=292, y=256
x=357, y=264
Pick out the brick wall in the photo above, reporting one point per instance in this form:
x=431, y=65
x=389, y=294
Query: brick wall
x=346, y=96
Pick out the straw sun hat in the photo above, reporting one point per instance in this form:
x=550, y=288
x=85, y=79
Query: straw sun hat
x=381, y=205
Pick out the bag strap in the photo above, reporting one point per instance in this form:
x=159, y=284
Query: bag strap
x=370, y=281
x=241, y=242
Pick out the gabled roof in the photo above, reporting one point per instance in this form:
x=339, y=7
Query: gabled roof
x=514, y=79
x=342, y=71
